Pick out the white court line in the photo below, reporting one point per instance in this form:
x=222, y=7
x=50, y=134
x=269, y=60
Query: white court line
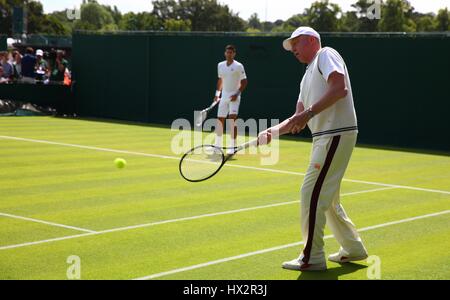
x=227, y=165
x=169, y=221
x=223, y=260
x=46, y=222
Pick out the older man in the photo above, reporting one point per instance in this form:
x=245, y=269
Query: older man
x=325, y=104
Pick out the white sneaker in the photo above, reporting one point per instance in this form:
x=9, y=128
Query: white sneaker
x=341, y=258
x=298, y=265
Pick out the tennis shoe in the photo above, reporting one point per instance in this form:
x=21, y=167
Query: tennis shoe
x=342, y=257
x=298, y=265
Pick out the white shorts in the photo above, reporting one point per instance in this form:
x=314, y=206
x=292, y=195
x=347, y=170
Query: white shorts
x=226, y=107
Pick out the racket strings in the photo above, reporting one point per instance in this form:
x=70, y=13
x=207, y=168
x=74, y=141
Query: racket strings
x=201, y=163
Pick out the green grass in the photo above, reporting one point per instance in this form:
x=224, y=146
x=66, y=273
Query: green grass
x=82, y=188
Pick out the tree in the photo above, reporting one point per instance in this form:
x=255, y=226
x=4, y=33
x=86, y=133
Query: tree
x=140, y=21
x=204, y=15
x=38, y=22
x=61, y=16
x=425, y=22
x=177, y=25
x=115, y=13
x=350, y=22
x=323, y=16
x=254, y=22
x=443, y=20
x=95, y=17
x=363, y=23
x=396, y=15
x=6, y=8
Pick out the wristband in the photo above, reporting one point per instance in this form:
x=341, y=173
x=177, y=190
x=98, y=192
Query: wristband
x=217, y=93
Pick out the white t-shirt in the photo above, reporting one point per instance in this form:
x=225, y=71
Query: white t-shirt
x=339, y=118
x=231, y=76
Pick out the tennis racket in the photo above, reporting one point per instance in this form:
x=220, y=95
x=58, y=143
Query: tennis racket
x=205, y=161
x=204, y=113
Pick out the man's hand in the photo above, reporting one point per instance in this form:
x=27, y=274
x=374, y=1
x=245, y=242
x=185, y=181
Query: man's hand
x=234, y=98
x=298, y=122
x=216, y=98
x=265, y=137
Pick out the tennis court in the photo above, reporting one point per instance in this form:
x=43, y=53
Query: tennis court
x=61, y=195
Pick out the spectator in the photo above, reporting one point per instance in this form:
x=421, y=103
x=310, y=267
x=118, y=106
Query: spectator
x=3, y=79
x=42, y=69
x=28, y=64
x=60, y=67
x=17, y=65
x=7, y=67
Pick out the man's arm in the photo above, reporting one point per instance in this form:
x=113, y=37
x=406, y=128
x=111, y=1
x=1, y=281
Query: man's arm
x=244, y=83
x=218, y=89
x=336, y=90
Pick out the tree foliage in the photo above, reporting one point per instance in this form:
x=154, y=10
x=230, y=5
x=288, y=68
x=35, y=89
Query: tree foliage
x=204, y=15
x=211, y=15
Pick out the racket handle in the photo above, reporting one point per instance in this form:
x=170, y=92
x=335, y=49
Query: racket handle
x=248, y=144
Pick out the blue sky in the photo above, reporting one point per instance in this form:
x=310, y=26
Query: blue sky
x=276, y=9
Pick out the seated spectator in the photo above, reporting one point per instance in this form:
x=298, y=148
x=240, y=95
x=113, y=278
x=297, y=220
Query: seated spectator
x=60, y=70
x=28, y=64
x=7, y=67
x=17, y=65
x=3, y=79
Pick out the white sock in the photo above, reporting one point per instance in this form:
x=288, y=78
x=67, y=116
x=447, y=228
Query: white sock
x=233, y=143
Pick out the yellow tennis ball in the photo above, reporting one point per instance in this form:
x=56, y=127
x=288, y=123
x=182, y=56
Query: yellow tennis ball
x=120, y=163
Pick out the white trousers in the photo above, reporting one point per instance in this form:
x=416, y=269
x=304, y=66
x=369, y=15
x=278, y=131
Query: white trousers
x=320, y=203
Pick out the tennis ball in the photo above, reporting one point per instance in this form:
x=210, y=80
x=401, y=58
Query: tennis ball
x=120, y=163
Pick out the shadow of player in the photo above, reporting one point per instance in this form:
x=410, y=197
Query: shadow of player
x=332, y=274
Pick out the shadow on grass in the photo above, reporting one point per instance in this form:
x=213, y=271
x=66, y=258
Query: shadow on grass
x=332, y=274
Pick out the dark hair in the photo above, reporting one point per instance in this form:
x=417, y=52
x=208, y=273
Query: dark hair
x=29, y=50
x=230, y=47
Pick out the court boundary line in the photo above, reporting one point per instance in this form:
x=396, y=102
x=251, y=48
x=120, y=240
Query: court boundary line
x=272, y=249
x=46, y=222
x=226, y=165
x=144, y=225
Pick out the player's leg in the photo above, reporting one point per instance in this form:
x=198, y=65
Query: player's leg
x=219, y=131
x=233, y=128
x=325, y=203
x=234, y=110
x=312, y=210
x=222, y=113
x=352, y=247
x=316, y=199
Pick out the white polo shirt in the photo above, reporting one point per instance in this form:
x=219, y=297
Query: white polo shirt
x=339, y=118
x=231, y=76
